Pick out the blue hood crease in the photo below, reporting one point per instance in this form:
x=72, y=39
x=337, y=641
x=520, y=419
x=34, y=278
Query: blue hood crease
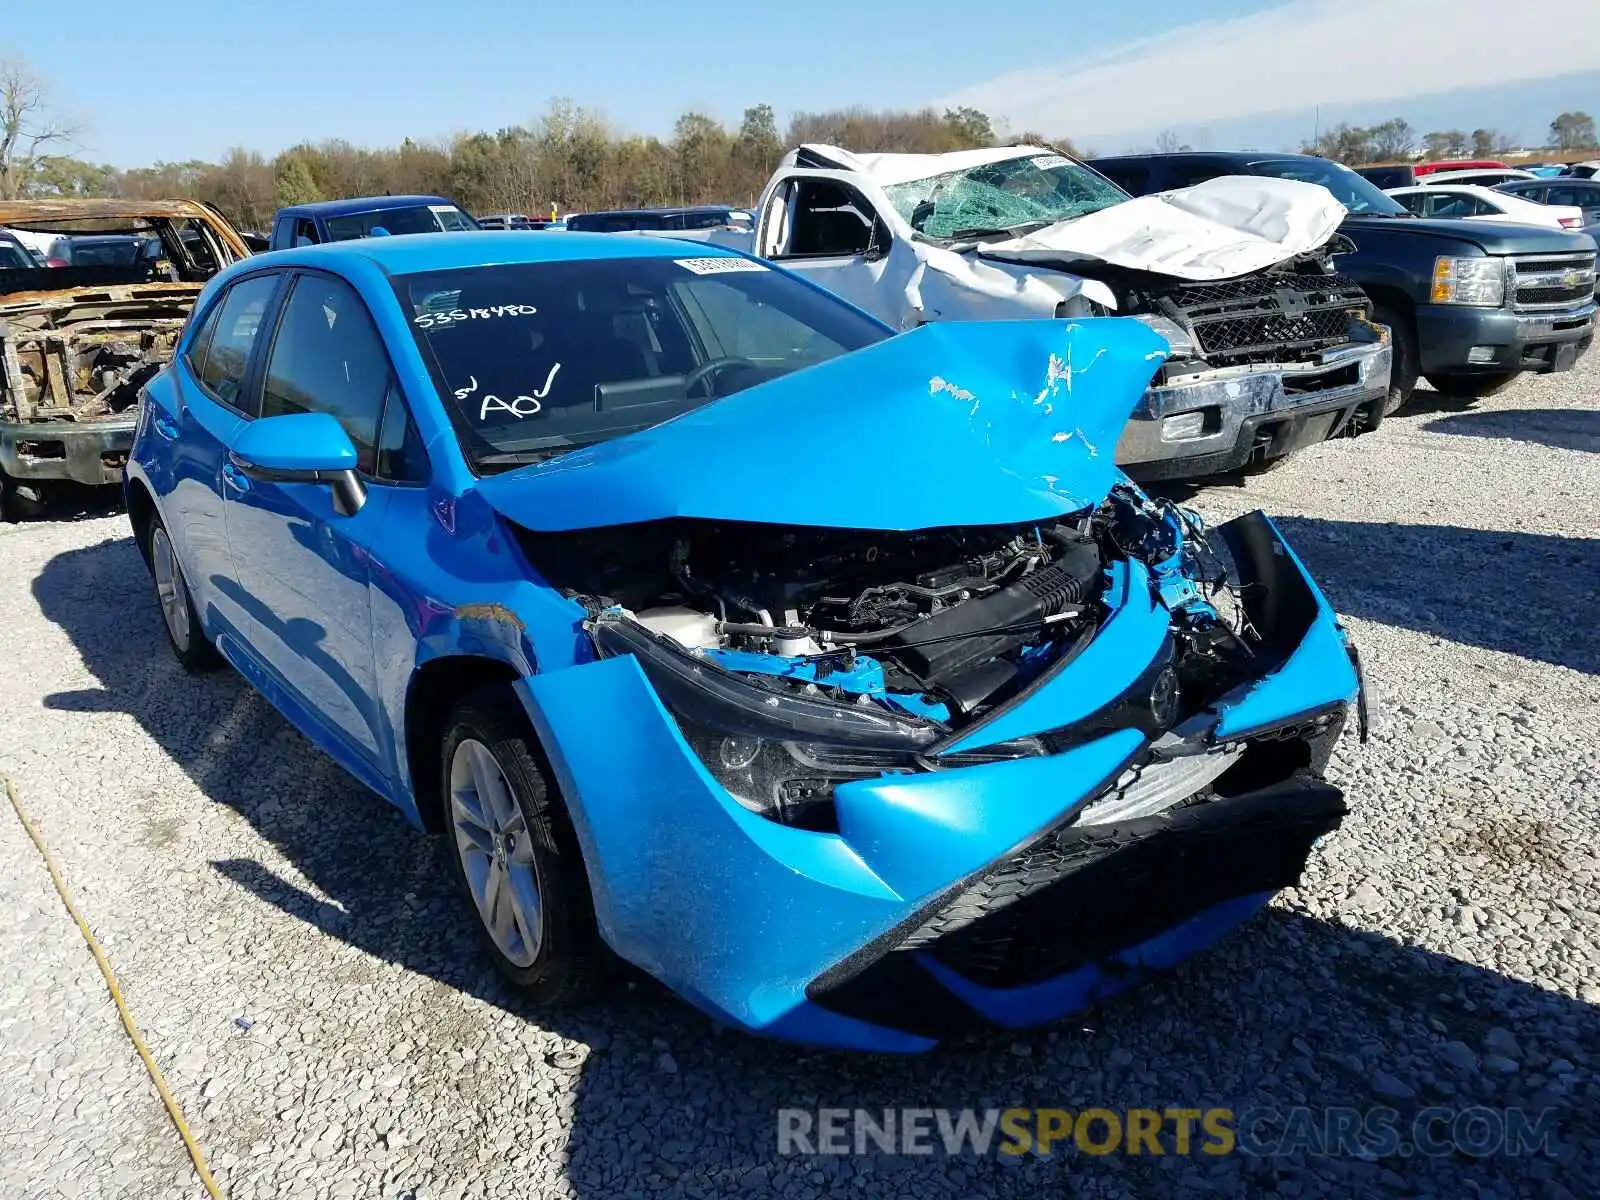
x=957, y=423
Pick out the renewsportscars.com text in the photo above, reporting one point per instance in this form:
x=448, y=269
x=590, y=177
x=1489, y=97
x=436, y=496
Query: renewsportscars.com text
x=1265, y=1132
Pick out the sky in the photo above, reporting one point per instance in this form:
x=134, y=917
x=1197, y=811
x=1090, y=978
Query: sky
x=190, y=79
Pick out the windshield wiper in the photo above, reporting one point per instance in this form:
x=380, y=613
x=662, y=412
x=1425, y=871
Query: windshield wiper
x=521, y=458
x=1026, y=227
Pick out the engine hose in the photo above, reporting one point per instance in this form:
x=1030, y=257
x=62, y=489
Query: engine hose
x=775, y=631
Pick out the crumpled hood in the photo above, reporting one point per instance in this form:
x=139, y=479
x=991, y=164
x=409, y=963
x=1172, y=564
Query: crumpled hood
x=1219, y=229
x=963, y=423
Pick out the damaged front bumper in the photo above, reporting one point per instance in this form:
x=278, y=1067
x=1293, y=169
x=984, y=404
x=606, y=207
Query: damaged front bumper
x=1211, y=422
x=1013, y=891
x=87, y=452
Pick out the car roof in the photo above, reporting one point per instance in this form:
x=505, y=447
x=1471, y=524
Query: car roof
x=1469, y=189
x=657, y=212
x=1452, y=175
x=406, y=254
x=361, y=204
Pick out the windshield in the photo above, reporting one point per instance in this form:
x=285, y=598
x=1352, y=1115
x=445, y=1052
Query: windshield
x=423, y=218
x=1349, y=189
x=1003, y=197
x=103, y=251
x=533, y=359
x=110, y=251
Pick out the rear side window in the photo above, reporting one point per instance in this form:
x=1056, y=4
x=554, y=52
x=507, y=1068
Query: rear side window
x=1577, y=197
x=1135, y=180
x=328, y=357
x=231, y=337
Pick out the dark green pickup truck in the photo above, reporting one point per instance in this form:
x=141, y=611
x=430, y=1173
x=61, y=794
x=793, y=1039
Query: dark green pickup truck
x=1471, y=304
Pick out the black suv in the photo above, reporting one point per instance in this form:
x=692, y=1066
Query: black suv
x=1471, y=304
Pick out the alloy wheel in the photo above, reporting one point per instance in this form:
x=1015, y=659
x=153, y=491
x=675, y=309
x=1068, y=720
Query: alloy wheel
x=170, y=589
x=496, y=850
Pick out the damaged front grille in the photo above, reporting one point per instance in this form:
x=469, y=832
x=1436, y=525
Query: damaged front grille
x=1081, y=896
x=1265, y=318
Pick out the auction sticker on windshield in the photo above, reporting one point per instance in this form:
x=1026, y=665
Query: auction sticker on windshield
x=718, y=266
x=1045, y=161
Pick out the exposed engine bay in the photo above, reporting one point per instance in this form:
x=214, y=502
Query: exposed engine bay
x=83, y=355
x=912, y=635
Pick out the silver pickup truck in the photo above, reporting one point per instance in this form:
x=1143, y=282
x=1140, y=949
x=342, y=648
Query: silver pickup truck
x=1271, y=348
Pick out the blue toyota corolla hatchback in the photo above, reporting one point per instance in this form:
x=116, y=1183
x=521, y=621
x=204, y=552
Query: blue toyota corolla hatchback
x=837, y=679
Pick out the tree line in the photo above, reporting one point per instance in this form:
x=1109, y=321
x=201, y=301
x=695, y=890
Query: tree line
x=1395, y=140
x=572, y=159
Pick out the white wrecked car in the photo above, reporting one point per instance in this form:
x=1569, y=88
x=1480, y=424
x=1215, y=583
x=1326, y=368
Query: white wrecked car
x=1271, y=349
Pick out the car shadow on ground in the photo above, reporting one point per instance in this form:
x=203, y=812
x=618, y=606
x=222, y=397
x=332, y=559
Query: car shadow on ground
x=76, y=502
x=1562, y=428
x=1290, y=1011
x=1500, y=590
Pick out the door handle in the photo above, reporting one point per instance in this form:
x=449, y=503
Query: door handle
x=166, y=426
x=235, y=478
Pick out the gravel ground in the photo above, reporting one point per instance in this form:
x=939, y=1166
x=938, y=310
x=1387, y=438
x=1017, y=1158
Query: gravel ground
x=313, y=992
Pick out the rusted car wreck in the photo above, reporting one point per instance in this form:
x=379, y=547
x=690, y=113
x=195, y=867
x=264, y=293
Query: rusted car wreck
x=80, y=333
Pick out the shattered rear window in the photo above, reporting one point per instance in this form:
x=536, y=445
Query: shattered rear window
x=998, y=198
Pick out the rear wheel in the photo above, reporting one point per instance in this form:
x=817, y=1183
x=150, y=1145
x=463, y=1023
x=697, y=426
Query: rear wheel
x=184, y=635
x=1405, y=363
x=516, y=854
x=1472, y=387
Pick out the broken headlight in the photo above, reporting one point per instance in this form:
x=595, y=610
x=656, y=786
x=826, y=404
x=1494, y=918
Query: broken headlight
x=779, y=754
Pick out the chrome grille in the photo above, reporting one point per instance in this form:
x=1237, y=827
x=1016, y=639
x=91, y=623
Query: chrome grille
x=1547, y=281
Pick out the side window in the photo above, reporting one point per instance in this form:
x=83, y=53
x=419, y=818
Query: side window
x=831, y=220
x=327, y=357
x=1412, y=203
x=1449, y=204
x=282, y=232
x=1187, y=172
x=400, y=453
x=195, y=355
x=1134, y=180
x=1565, y=195
x=305, y=232
x=238, y=324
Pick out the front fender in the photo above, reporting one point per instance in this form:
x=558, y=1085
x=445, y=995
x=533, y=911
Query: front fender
x=738, y=913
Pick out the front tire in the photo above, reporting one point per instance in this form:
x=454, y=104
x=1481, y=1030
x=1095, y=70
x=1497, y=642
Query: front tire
x=1405, y=362
x=515, y=853
x=184, y=634
x=1472, y=387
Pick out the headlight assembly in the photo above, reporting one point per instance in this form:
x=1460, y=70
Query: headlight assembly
x=1480, y=282
x=777, y=753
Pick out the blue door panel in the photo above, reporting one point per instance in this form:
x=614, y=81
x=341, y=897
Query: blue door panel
x=300, y=579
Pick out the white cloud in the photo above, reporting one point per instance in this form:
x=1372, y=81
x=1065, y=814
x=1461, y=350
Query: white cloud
x=1294, y=56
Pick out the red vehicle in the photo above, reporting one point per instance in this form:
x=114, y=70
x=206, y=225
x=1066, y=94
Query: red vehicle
x=1460, y=164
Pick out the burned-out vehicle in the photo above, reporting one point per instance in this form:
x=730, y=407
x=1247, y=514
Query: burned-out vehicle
x=79, y=340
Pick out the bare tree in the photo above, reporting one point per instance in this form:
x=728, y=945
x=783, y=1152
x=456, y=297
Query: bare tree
x=1168, y=142
x=1393, y=139
x=27, y=127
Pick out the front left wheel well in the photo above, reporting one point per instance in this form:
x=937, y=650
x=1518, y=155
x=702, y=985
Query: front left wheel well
x=436, y=688
x=141, y=509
